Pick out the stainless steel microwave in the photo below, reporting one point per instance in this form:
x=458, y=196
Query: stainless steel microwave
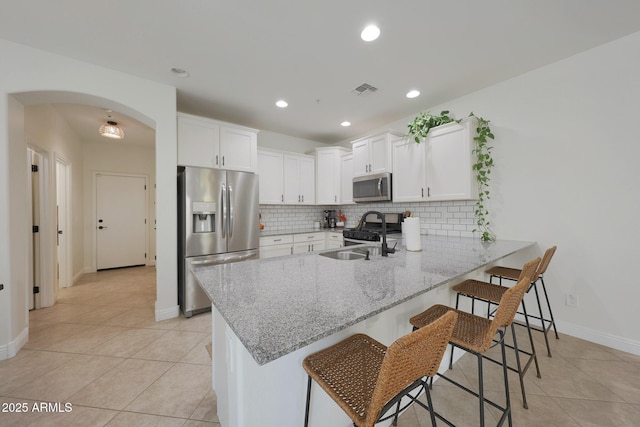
x=372, y=188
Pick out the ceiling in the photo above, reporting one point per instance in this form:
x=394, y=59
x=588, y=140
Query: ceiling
x=244, y=55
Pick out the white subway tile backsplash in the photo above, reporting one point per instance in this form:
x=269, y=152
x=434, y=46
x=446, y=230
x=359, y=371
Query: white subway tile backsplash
x=455, y=218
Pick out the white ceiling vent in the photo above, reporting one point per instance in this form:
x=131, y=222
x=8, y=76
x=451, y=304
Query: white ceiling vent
x=364, y=89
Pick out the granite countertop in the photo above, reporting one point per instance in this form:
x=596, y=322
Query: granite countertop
x=298, y=230
x=278, y=305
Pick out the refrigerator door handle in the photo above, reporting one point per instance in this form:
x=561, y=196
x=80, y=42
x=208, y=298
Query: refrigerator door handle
x=229, y=200
x=223, y=202
x=224, y=259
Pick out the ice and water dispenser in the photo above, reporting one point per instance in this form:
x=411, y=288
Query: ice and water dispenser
x=204, y=217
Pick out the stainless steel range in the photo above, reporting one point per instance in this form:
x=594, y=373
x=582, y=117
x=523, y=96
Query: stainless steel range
x=370, y=230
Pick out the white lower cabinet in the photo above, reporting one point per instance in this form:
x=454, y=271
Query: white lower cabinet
x=272, y=246
x=334, y=240
x=308, y=242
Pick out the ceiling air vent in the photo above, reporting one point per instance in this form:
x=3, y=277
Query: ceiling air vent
x=364, y=89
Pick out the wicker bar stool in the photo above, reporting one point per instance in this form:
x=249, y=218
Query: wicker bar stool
x=514, y=273
x=367, y=379
x=490, y=293
x=476, y=335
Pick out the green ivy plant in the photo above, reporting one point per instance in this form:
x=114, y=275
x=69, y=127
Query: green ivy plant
x=419, y=128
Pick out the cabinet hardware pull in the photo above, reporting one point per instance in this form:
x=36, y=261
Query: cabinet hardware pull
x=216, y=159
x=422, y=191
x=222, y=160
x=282, y=198
x=303, y=198
x=428, y=191
x=277, y=240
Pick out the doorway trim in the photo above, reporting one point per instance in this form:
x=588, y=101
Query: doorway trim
x=64, y=263
x=94, y=209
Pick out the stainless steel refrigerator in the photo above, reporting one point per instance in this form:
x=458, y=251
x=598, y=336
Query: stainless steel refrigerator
x=217, y=224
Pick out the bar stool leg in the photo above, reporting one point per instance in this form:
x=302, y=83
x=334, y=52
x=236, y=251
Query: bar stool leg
x=306, y=411
x=505, y=372
x=544, y=327
x=533, y=347
x=519, y=365
x=553, y=322
x=480, y=389
x=430, y=403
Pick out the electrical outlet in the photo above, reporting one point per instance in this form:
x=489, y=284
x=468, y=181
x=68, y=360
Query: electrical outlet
x=572, y=300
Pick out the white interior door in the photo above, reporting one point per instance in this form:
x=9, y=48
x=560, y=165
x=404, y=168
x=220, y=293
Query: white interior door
x=62, y=225
x=121, y=221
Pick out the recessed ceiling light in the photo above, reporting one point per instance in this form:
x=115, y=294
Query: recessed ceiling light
x=282, y=103
x=413, y=93
x=180, y=72
x=370, y=33
x=345, y=123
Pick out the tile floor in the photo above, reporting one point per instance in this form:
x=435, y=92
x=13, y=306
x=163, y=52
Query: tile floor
x=100, y=350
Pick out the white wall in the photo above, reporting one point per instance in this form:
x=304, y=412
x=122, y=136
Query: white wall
x=278, y=141
x=566, y=174
x=29, y=70
x=114, y=158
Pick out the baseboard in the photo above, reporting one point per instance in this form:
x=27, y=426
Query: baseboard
x=167, y=313
x=598, y=337
x=13, y=347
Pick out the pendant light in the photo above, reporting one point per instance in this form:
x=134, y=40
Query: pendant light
x=111, y=129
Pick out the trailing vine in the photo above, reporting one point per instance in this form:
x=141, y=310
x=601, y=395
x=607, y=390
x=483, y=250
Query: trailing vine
x=419, y=128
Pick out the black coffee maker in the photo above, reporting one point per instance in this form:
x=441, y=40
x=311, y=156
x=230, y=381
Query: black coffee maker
x=330, y=218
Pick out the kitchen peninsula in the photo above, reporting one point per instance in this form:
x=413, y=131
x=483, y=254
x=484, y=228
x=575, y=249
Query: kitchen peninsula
x=269, y=314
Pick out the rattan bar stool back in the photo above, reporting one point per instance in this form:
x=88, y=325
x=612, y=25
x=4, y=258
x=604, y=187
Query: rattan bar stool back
x=512, y=274
x=367, y=379
x=476, y=335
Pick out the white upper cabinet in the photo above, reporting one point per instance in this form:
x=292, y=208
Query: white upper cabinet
x=346, y=179
x=372, y=155
x=328, y=177
x=271, y=177
x=450, y=161
x=409, y=170
x=211, y=144
x=299, y=179
x=439, y=168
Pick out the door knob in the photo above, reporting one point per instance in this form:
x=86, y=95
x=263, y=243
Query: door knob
x=59, y=231
x=101, y=227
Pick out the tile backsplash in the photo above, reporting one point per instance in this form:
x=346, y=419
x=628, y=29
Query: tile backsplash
x=455, y=218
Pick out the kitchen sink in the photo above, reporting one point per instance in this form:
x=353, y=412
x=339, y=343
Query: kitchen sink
x=352, y=254
x=343, y=254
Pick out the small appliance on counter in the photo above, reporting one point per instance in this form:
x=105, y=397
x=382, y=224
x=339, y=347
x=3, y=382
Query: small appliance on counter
x=330, y=219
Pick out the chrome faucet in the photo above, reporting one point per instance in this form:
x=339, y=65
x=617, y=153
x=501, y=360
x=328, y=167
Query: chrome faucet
x=385, y=249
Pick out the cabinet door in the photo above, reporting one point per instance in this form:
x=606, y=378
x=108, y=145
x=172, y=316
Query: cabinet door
x=307, y=180
x=449, y=173
x=379, y=154
x=198, y=143
x=327, y=178
x=238, y=149
x=361, y=158
x=409, y=174
x=271, y=177
x=275, y=250
x=291, y=179
x=346, y=179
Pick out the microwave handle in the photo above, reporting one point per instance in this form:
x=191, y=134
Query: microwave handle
x=380, y=187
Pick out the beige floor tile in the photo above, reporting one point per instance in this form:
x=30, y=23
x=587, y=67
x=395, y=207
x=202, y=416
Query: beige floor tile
x=207, y=410
x=100, y=314
x=119, y=386
x=562, y=379
x=26, y=369
x=614, y=375
x=17, y=412
x=135, y=317
x=79, y=416
x=127, y=343
x=199, y=354
x=61, y=312
x=177, y=393
x=86, y=340
x=543, y=411
x=198, y=323
x=172, y=346
x=60, y=383
x=128, y=419
x=589, y=413
x=458, y=406
x=42, y=338
x=195, y=423
x=575, y=348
